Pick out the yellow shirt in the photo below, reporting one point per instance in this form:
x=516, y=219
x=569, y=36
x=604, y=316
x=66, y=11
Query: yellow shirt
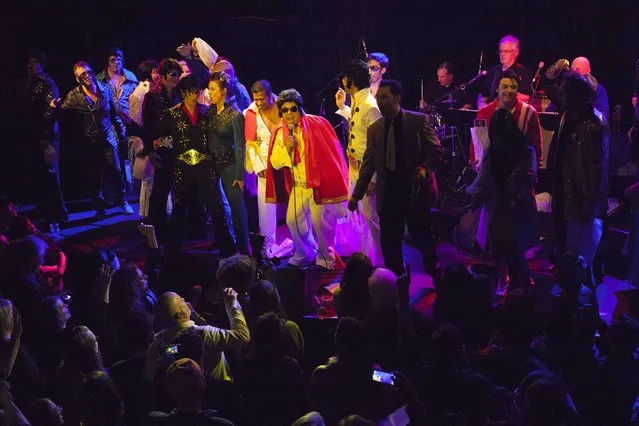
x=282, y=156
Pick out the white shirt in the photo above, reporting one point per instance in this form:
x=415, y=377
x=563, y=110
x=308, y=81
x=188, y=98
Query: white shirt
x=136, y=99
x=360, y=115
x=280, y=157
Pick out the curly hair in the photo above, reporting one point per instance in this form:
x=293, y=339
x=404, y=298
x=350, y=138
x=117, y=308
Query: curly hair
x=290, y=95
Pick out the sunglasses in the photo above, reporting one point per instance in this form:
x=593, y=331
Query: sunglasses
x=374, y=68
x=85, y=74
x=292, y=109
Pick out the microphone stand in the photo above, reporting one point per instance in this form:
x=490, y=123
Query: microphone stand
x=320, y=94
x=448, y=97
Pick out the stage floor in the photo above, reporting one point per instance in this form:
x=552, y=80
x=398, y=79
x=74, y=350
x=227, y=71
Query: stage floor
x=119, y=232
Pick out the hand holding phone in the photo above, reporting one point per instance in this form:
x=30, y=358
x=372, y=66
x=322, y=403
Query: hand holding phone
x=384, y=377
x=172, y=349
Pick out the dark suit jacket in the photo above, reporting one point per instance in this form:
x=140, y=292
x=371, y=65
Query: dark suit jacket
x=420, y=148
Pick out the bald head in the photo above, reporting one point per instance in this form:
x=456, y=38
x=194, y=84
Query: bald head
x=223, y=65
x=170, y=310
x=580, y=65
x=382, y=286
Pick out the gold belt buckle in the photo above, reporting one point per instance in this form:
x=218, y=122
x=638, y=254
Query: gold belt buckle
x=192, y=157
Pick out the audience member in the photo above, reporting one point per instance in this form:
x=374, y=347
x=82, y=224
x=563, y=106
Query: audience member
x=353, y=299
x=344, y=385
x=173, y=316
x=270, y=380
x=186, y=384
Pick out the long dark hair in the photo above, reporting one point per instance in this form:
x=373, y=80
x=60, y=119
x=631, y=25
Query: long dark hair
x=507, y=145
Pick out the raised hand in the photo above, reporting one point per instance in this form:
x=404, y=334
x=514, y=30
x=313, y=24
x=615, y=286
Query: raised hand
x=229, y=296
x=340, y=98
x=104, y=281
x=184, y=50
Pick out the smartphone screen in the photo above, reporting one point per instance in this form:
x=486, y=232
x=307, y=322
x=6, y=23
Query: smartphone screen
x=172, y=349
x=384, y=377
x=480, y=123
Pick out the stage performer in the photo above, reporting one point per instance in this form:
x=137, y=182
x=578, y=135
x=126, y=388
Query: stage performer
x=94, y=102
x=509, y=48
x=159, y=99
x=524, y=114
x=403, y=151
x=377, y=67
x=360, y=115
x=194, y=169
x=578, y=161
x=504, y=188
x=122, y=83
x=261, y=119
x=308, y=171
x=225, y=139
x=43, y=140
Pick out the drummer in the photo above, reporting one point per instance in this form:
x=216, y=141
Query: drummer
x=438, y=94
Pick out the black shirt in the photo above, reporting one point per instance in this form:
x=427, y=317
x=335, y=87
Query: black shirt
x=437, y=91
x=100, y=117
x=491, y=81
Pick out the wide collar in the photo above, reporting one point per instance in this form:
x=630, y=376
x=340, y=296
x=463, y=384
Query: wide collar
x=361, y=95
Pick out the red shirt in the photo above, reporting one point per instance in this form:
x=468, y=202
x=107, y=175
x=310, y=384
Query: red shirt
x=527, y=120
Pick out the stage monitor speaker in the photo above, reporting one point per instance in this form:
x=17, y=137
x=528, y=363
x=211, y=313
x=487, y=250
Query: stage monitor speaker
x=295, y=286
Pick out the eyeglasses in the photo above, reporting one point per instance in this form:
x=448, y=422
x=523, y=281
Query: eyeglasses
x=287, y=109
x=173, y=74
x=507, y=50
x=86, y=74
x=374, y=68
x=114, y=59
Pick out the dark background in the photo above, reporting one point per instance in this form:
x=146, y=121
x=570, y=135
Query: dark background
x=304, y=43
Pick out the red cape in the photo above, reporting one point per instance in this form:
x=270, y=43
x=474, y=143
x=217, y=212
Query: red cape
x=326, y=170
x=250, y=125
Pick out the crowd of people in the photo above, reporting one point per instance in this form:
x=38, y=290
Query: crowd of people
x=123, y=349
x=131, y=346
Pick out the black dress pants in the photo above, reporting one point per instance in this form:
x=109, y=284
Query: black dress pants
x=393, y=218
x=49, y=203
x=200, y=179
x=102, y=160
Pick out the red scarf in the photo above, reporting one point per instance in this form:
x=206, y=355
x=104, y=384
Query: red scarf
x=326, y=170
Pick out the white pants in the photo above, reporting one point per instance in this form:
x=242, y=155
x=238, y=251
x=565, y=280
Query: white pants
x=267, y=213
x=304, y=218
x=369, y=237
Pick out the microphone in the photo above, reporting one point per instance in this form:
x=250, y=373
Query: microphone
x=365, y=50
x=474, y=79
x=536, y=76
x=481, y=62
x=291, y=137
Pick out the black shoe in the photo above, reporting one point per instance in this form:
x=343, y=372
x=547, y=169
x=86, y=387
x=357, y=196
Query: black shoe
x=99, y=214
